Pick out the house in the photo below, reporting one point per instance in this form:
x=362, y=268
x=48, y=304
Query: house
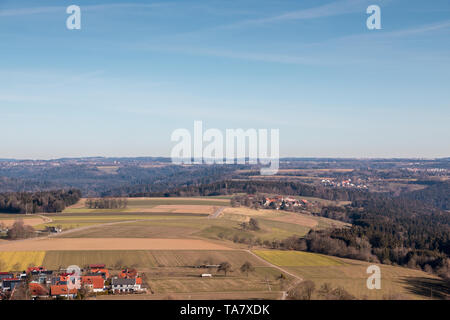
x=5, y=275
x=43, y=278
x=37, y=290
x=272, y=202
x=53, y=229
x=291, y=202
x=36, y=270
x=98, y=269
x=119, y=285
x=8, y=284
x=62, y=279
x=206, y=275
x=128, y=274
x=63, y=291
x=305, y=202
x=93, y=283
x=39, y=274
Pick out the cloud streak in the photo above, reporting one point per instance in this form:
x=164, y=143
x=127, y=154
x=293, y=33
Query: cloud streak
x=328, y=10
x=53, y=9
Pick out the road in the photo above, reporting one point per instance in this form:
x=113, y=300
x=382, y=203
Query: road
x=217, y=213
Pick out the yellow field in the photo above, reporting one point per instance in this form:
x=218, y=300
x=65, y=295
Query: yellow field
x=297, y=258
x=19, y=261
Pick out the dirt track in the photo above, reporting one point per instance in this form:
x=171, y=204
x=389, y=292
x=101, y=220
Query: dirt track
x=296, y=277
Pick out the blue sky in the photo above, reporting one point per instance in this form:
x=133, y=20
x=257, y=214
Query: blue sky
x=138, y=70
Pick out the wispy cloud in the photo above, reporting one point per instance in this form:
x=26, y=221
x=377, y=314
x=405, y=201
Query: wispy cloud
x=384, y=34
x=28, y=11
x=327, y=10
x=419, y=30
x=52, y=9
x=233, y=54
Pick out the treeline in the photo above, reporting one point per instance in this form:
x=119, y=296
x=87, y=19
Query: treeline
x=392, y=230
x=129, y=177
x=168, y=178
x=399, y=231
x=106, y=203
x=228, y=187
x=45, y=201
x=437, y=195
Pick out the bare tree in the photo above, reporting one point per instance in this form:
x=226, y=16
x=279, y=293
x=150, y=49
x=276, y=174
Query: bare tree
x=247, y=267
x=20, y=231
x=225, y=267
x=302, y=291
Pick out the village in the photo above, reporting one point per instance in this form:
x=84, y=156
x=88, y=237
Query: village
x=276, y=202
x=346, y=183
x=39, y=283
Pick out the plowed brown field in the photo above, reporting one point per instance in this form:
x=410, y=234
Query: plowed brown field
x=109, y=244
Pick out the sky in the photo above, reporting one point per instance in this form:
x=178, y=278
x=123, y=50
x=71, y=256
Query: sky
x=138, y=70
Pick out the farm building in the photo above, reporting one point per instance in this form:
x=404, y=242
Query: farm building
x=120, y=285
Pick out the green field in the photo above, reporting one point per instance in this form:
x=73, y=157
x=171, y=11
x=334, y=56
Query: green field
x=297, y=258
x=176, y=226
x=396, y=282
x=76, y=220
x=140, y=204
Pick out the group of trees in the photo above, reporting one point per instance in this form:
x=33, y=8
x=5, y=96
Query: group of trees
x=45, y=201
x=106, y=203
x=306, y=290
x=19, y=230
x=251, y=225
x=226, y=267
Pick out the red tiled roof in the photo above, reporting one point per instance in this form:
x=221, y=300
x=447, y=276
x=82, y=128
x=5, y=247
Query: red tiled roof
x=31, y=269
x=97, y=266
x=11, y=279
x=97, y=281
x=128, y=274
x=37, y=289
x=57, y=290
x=101, y=270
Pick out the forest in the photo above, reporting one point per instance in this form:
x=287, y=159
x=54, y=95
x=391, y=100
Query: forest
x=44, y=201
x=228, y=187
x=391, y=230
